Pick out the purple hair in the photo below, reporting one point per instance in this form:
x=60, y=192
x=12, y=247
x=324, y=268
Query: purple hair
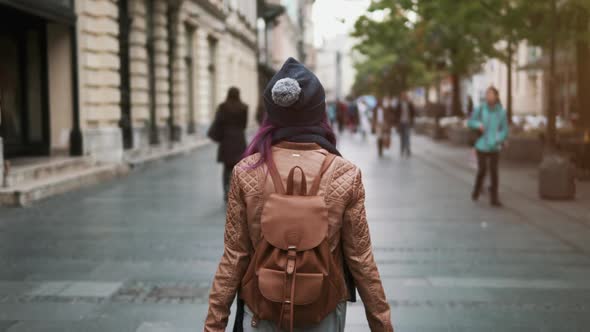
x=262, y=141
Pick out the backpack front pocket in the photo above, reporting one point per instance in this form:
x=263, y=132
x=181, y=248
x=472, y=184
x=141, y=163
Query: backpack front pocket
x=274, y=285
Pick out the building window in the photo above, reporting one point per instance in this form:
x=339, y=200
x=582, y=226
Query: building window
x=190, y=77
x=212, y=74
x=292, y=9
x=150, y=45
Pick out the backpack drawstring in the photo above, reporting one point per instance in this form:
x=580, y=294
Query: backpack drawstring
x=289, y=296
x=292, y=314
x=282, y=315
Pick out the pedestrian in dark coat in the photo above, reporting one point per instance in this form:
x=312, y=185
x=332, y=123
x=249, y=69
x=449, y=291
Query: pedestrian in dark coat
x=229, y=130
x=260, y=113
x=404, y=119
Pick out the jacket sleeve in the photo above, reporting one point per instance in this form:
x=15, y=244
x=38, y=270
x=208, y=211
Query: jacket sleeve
x=359, y=258
x=234, y=262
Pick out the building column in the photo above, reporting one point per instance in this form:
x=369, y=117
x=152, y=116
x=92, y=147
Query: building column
x=1, y=161
x=154, y=134
x=190, y=78
x=76, y=144
x=125, y=122
x=172, y=27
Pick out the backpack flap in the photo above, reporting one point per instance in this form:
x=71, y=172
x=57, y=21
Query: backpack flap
x=304, y=227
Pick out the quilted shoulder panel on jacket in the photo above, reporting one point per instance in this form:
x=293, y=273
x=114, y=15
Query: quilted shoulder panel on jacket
x=247, y=177
x=341, y=185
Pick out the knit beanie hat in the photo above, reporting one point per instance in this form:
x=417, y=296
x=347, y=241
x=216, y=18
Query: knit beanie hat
x=295, y=97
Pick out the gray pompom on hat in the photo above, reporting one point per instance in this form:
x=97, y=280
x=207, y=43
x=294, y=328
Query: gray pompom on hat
x=286, y=92
x=294, y=97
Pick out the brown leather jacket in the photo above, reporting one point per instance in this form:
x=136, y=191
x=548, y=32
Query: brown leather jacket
x=348, y=233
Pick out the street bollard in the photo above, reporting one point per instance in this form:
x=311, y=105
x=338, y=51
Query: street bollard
x=556, y=178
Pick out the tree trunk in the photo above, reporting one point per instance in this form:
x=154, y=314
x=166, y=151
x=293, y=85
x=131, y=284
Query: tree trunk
x=404, y=79
x=438, y=93
x=509, y=81
x=583, y=71
x=457, y=111
x=551, y=111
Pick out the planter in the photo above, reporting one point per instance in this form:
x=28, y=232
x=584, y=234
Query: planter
x=439, y=133
x=422, y=126
x=523, y=149
x=429, y=128
x=459, y=135
x=556, y=178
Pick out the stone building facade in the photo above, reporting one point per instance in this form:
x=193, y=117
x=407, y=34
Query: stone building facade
x=291, y=33
x=107, y=76
x=285, y=29
x=527, y=85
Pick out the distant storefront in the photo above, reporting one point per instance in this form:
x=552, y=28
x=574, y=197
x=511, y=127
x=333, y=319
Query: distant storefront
x=35, y=76
x=99, y=78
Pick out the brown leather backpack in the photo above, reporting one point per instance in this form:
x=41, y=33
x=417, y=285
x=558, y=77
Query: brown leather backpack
x=292, y=278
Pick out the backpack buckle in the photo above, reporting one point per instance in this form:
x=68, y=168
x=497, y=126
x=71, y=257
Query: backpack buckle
x=254, y=322
x=291, y=257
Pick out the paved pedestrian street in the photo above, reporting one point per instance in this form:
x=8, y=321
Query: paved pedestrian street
x=139, y=253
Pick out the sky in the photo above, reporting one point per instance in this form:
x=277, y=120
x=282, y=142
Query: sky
x=334, y=17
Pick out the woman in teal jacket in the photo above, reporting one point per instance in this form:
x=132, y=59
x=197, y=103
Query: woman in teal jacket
x=490, y=120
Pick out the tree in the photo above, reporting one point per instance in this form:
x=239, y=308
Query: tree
x=388, y=48
x=420, y=36
x=506, y=18
x=582, y=22
x=461, y=35
x=552, y=24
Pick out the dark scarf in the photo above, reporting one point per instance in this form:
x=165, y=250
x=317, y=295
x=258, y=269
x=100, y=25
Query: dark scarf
x=310, y=134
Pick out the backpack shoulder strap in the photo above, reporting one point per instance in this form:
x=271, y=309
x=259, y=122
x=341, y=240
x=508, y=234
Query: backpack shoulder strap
x=276, y=179
x=315, y=186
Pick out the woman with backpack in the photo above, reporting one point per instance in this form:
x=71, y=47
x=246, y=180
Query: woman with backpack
x=297, y=242
x=229, y=130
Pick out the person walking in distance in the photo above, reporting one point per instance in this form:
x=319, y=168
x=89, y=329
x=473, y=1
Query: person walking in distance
x=382, y=124
x=297, y=241
x=491, y=123
x=228, y=129
x=404, y=118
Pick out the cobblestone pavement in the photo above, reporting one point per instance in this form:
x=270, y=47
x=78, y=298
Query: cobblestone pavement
x=138, y=254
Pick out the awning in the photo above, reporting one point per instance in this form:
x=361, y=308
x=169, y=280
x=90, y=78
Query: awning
x=541, y=63
x=54, y=10
x=272, y=11
x=537, y=64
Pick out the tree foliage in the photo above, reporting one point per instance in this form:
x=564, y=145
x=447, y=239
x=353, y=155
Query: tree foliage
x=388, y=47
x=406, y=42
x=419, y=36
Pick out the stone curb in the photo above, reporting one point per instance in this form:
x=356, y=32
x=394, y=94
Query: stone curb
x=161, y=154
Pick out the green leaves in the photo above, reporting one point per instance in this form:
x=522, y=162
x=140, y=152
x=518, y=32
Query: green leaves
x=413, y=38
x=457, y=36
x=389, y=48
